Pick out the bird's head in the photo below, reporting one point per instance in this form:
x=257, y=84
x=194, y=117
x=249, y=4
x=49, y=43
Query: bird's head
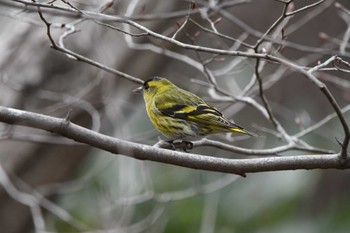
x=153, y=86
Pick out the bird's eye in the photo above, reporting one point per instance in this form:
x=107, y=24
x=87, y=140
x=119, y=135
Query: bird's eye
x=145, y=86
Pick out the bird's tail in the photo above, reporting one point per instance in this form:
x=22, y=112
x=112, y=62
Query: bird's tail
x=243, y=131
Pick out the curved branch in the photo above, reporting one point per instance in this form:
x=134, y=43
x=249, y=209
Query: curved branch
x=144, y=152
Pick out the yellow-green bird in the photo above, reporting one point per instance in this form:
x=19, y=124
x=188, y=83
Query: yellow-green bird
x=179, y=114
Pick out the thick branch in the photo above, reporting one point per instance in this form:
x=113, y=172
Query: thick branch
x=144, y=152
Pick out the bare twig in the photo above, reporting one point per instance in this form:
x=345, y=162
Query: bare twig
x=191, y=7
x=329, y=96
x=79, y=57
x=304, y=8
x=48, y=27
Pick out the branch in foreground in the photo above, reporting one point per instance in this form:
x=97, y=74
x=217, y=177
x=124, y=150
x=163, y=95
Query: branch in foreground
x=144, y=152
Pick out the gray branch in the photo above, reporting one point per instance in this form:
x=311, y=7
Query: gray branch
x=70, y=130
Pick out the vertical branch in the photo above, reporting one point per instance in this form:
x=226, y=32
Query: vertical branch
x=191, y=7
x=48, y=27
x=333, y=102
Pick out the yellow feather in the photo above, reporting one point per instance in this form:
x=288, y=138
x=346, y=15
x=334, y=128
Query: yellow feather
x=179, y=114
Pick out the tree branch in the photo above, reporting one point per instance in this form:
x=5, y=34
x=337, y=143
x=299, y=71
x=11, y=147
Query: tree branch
x=144, y=152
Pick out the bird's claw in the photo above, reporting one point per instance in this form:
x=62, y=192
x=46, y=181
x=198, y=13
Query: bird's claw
x=187, y=146
x=184, y=145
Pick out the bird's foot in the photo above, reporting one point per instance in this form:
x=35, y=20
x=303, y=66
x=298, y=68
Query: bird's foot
x=171, y=144
x=184, y=145
x=187, y=146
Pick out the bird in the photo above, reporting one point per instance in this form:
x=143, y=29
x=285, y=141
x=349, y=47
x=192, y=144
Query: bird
x=181, y=115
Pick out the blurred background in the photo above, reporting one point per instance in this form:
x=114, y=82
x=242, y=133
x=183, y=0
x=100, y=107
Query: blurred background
x=52, y=184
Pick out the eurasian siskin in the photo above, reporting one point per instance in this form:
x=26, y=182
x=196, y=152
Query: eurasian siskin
x=179, y=114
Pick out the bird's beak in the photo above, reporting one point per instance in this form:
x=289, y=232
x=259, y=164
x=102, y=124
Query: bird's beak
x=138, y=90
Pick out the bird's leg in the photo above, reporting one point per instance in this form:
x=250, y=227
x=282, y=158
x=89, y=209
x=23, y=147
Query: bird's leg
x=184, y=145
x=171, y=143
x=187, y=146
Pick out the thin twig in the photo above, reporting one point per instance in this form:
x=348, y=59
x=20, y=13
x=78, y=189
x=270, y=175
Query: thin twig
x=191, y=7
x=48, y=27
x=304, y=8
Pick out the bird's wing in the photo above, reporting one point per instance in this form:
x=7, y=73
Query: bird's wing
x=192, y=108
x=177, y=105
